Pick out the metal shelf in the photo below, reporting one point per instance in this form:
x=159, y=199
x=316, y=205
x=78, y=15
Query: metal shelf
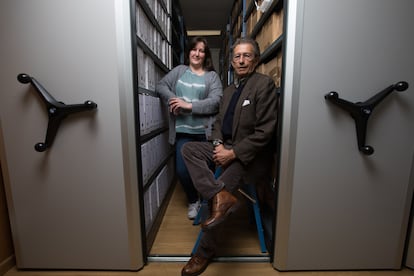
x=149, y=52
x=151, y=17
x=276, y=6
x=269, y=52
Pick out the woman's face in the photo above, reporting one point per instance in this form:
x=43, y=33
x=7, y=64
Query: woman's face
x=197, y=55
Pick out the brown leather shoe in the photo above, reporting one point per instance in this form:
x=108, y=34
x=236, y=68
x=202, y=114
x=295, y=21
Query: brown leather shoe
x=223, y=204
x=195, y=266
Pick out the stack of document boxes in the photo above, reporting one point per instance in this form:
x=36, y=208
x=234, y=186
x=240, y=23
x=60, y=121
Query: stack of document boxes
x=153, y=30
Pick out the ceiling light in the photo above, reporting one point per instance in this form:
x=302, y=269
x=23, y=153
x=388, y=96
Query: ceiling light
x=203, y=32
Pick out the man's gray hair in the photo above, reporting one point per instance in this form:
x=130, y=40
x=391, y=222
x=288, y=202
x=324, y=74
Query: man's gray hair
x=247, y=40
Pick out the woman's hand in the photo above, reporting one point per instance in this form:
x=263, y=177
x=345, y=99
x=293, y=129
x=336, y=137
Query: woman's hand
x=176, y=104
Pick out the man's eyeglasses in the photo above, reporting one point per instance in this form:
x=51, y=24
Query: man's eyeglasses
x=246, y=56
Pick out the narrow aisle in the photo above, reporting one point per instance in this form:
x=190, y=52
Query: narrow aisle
x=177, y=234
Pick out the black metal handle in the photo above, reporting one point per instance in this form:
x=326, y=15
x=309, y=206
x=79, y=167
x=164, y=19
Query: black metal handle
x=57, y=111
x=360, y=111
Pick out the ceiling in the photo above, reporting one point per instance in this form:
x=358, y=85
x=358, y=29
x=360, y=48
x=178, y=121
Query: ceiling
x=207, y=15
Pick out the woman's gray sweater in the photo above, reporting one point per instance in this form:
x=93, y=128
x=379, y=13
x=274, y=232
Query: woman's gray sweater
x=208, y=106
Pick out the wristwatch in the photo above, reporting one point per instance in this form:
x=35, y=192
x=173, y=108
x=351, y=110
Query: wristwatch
x=217, y=142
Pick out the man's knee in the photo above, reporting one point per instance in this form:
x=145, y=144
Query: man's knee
x=187, y=149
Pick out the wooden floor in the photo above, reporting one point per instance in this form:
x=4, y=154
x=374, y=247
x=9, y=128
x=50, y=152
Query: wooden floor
x=177, y=234
x=176, y=237
x=214, y=269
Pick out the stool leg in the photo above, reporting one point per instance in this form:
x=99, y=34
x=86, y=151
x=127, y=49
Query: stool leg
x=256, y=210
x=200, y=234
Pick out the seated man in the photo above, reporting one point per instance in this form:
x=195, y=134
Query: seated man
x=243, y=144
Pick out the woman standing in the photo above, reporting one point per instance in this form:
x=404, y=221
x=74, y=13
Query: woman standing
x=192, y=93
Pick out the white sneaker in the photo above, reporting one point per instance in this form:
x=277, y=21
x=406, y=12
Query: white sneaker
x=193, y=209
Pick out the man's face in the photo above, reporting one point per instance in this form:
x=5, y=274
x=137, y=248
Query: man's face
x=244, y=60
